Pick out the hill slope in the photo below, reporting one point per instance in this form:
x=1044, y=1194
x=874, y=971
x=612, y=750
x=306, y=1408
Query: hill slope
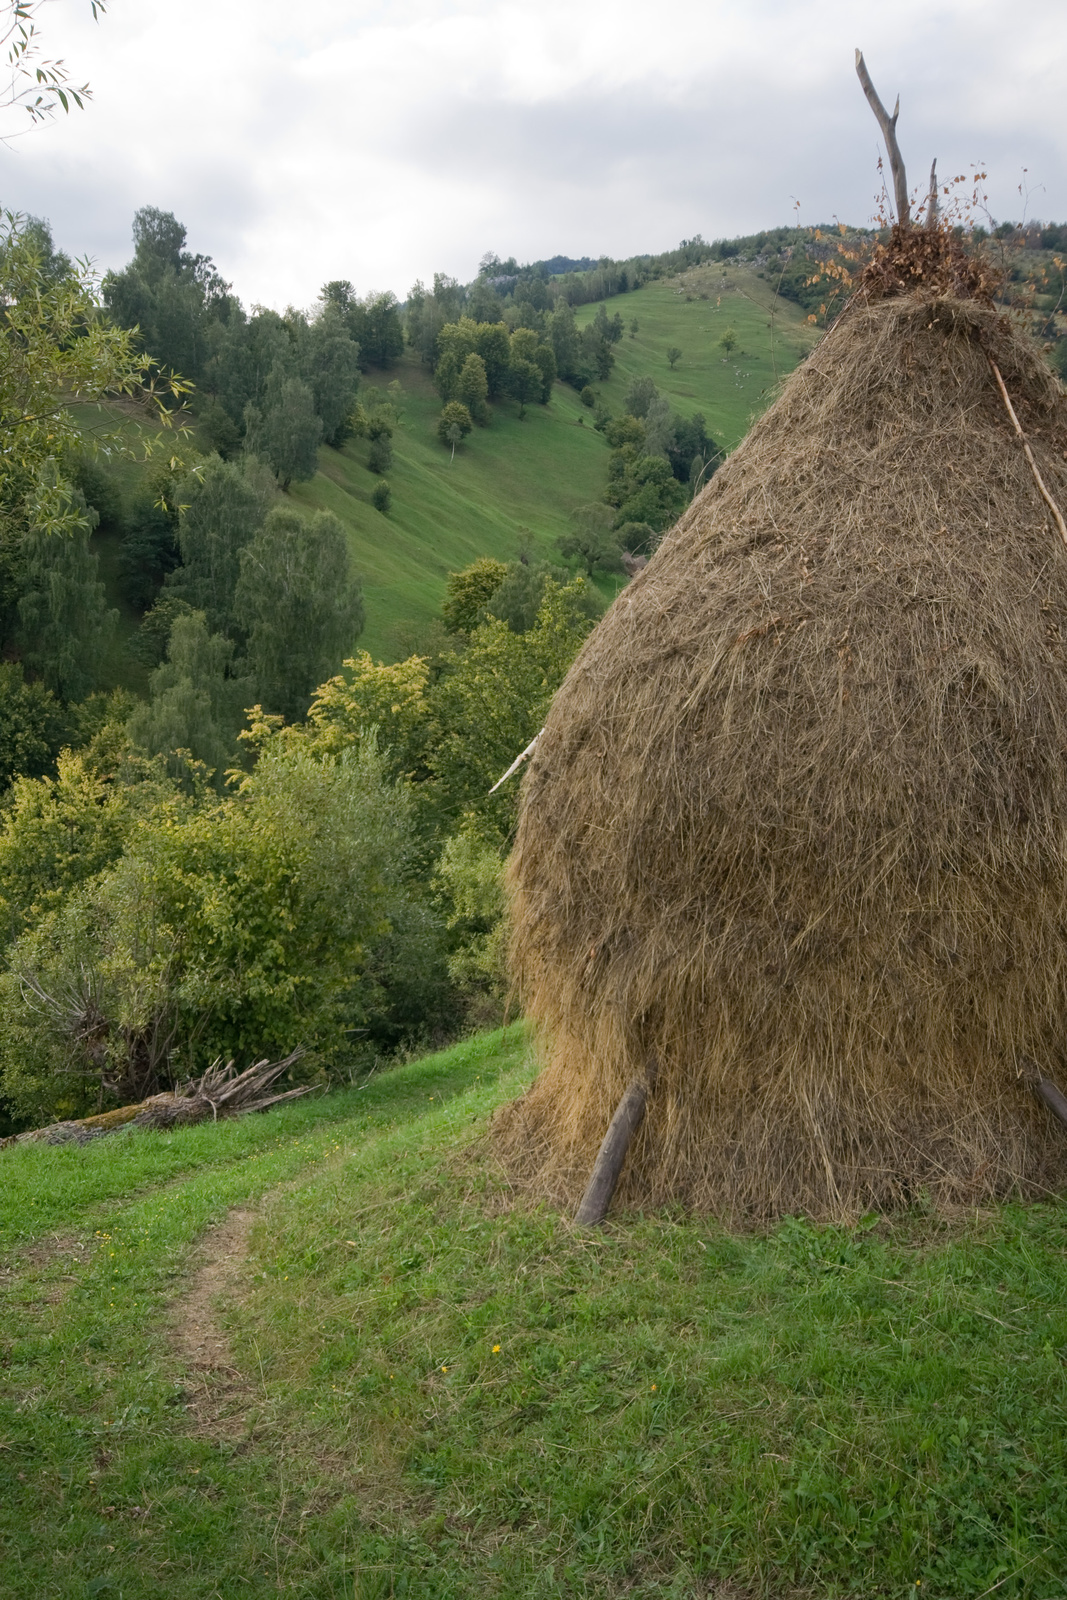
x=326, y=1351
x=518, y=482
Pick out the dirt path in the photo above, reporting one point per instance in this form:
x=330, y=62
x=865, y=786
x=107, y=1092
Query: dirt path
x=218, y=1392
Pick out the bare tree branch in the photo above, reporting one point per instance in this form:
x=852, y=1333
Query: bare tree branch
x=888, y=125
x=931, y=203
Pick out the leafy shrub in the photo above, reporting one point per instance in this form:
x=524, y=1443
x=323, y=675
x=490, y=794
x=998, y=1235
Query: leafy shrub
x=228, y=928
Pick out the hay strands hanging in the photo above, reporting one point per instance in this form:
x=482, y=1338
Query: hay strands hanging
x=629, y=1114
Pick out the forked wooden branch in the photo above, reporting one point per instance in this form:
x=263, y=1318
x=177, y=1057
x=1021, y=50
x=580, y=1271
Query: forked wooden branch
x=1029, y=454
x=888, y=125
x=612, y=1153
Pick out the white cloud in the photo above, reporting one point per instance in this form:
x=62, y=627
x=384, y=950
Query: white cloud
x=379, y=142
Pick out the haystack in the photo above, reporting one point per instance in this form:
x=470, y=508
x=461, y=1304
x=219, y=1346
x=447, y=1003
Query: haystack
x=796, y=831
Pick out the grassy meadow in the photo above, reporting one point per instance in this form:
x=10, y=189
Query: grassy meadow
x=692, y=312
x=328, y=1352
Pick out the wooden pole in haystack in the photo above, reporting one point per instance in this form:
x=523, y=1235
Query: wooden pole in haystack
x=629, y=1114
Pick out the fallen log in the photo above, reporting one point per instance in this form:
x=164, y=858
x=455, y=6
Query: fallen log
x=220, y=1092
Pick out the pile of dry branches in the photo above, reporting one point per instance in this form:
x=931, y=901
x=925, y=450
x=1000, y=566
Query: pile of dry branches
x=221, y=1092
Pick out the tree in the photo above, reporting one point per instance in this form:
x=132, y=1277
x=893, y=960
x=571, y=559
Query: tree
x=56, y=833
x=368, y=695
x=674, y=355
x=331, y=370
x=223, y=508
x=495, y=350
x=66, y=624
x=55, y=349
x=517, y=601
x=491, y=700
x=567, y=346
x=643, y=488
x=634, y=328
x=173, y=301
x=639, y=395
x=226, y=929
x=526, y=383
x=31, y=726
x=659, y=428
x=472, y=388
x=287, y=431
x=468, y=593
x=455, y=342
x=374, y=324
x=528, y=352
x=591, y=538
x=299, y=605
x=197, y=701
x=149, y=550
x=728, y=341
x=382, y=498
x=380, y=455
x=454, y=416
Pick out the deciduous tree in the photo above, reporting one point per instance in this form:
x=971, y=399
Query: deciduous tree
x=299, y=604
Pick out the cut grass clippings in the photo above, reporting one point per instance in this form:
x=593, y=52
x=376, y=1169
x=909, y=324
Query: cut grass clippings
x=444, y=1392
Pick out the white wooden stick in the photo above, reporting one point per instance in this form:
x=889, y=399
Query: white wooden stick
x=517, y=763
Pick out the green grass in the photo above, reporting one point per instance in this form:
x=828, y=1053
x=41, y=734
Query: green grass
x=692, y=312
x=434, y=1390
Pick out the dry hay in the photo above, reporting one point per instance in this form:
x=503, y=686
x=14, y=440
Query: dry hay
x=797, y=825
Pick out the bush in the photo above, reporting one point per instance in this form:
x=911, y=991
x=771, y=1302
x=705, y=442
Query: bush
x=380, y=458
x=234, y=928
x=382, y=498
x=588, y=396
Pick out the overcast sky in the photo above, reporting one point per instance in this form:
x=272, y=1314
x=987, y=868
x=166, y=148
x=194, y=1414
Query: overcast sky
x=381, y=140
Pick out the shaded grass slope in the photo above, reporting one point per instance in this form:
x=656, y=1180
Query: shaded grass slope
x=434, y=1391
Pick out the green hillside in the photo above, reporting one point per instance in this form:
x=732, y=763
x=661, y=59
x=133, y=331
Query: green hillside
x=692, y=312
x=513, y=483
x=329, y=1352
x=517, y=482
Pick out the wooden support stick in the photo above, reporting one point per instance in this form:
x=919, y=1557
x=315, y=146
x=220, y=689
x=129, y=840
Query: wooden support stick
x=888, y=125
x=1046, y=497
x=624, y=1124
x=1047, y=1091
x=518, y=761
